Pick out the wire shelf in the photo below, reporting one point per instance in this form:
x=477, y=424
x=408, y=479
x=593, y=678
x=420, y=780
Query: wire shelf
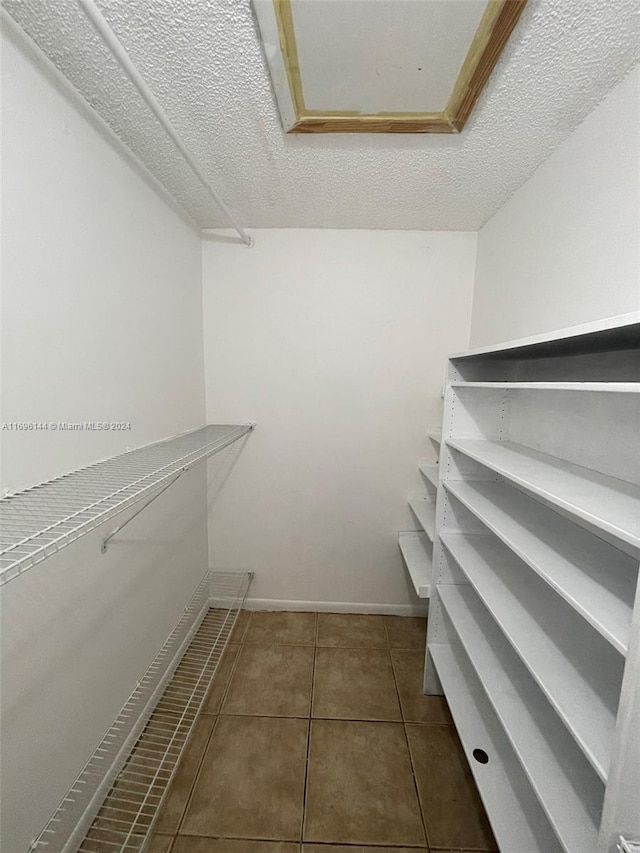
x=113, y=804
x=42, y=519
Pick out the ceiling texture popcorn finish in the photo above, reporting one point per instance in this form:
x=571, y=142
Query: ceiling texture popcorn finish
x=382, y=66
x=204, y=62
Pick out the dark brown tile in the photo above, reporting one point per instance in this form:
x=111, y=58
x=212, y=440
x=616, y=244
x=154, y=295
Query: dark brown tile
x=178, y=793
x=339, y=848
x=406, y=632
x=281, y=628
x=271, y=681
x=251, y=781
x=408, y=666
x=354, y=684
x=351, y=631
x=191, y=844
x=215, y=695
x=360, y=787
x=451, y=806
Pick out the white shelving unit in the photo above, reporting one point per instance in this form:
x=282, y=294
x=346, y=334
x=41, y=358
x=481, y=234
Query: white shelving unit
x=593, y=577
x=430, y=473
x=606, y=504
x=610, y=387
x=424, y=509
x=416, y=546
x=504, y=786
x=569, y=794
x=436, y=436
x=416, y=552
x=534, y=625
x=586, y=675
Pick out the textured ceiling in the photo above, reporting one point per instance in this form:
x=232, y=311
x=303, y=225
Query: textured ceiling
x=203, y=61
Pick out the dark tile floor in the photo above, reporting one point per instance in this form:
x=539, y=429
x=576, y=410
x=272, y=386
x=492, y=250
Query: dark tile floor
x=315, y=738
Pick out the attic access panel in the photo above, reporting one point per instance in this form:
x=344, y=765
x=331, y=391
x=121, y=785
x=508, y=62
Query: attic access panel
x=382, y=66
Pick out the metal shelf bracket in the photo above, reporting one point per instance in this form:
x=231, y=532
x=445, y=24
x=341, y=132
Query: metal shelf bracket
x=105, y=541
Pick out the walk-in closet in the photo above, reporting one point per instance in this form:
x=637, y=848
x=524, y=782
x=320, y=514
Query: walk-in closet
x=320, y=426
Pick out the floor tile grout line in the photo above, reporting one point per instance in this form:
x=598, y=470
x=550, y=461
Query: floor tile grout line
x=200, y=636
x=246, y=627
x=419, y=849
x=406, y=738
x=195, y=775
x=323, y=646
x=396, y=722
x=290, y=645
x=225, y=691
x=306, y=782
x=304, y=787
x=355, y=648
x=209, y=739
x=241, y=643
x=306, y=763
x=386, y=632
x=415, y=785
x=313, y=674
x=215, y=725
x=395, y=681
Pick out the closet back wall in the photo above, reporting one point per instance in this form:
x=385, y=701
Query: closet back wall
x=101, y=320
x=335, y=343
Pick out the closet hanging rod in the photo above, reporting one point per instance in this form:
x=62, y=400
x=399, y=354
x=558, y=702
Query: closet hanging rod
x=122, y=57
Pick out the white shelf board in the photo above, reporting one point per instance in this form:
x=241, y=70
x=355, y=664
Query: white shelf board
x=612, y=387
x=599, y=581
x=436, y=435
x=424, y=510
x=605, y=504
x=416, y=552
x=577, y=671
x=517, y=820
x=430, y=473
x=566, y=786
x=608, y=326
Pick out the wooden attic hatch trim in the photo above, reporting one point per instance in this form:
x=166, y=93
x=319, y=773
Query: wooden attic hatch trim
x=497, y=23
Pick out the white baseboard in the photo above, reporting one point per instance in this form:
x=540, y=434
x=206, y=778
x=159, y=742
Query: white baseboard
x=336, y=607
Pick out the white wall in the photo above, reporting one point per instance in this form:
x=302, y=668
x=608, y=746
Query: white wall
x=101, y=297
x=335, y=342
x=101, y=320
x=564, y=249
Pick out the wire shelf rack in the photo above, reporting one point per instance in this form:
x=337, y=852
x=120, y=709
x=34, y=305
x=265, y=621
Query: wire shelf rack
x=43, y=519
x=113, y=804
